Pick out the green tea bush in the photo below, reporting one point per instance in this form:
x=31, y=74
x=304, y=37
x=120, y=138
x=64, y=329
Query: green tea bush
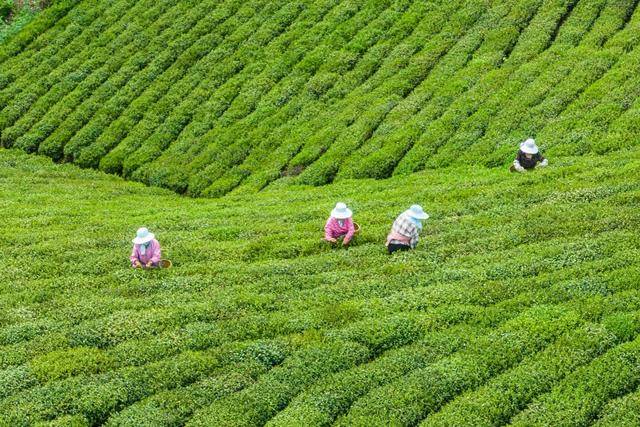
x=96, y=397
x=176, y=407
x=25, y=100
x=408, y=399
x=16, y=378
x=68, y=78
x=519, y=304
x=151, y=64
x=256, y=404
x=66, y=420
x=305, y=67
x=45, y=20
x=157, y=94
x=80, y=105
x=232, y=97
x=580, y=397
x=623, y=411
x=79, y=27
x=61, y=33
x=331, y=397
x=65, y=363
x=19, y=353
x=508, y=394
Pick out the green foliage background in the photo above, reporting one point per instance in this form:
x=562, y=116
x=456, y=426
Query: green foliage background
x=520, y=305
x=214, y=96
x=14, y=15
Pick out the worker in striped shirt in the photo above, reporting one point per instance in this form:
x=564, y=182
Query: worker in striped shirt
x=405, y=231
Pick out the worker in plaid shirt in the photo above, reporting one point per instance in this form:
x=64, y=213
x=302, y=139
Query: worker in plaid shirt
x=405, y=231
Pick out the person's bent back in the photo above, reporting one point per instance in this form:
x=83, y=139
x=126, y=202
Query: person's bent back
x=528, y=157
x=405, y=231
x=146, y=250
x=339, y=225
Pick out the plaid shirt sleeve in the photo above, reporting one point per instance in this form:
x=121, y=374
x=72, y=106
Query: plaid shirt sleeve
x=403, y=225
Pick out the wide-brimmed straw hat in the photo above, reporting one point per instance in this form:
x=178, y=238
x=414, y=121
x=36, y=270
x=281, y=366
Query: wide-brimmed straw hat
x=417, y=212
x=341, y=211
x=529, y=147
x=143, y=236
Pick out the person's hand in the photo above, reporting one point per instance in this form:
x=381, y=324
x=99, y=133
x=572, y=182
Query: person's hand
x=346, y=242
x=137, y=264
x=333, y=240
x=149, y=264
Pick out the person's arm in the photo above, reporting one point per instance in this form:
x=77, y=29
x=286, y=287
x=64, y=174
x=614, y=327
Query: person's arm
x=328, y=230
x=134, y=257
x=543, y=161
x=517, y=166
x=350, y=232
x=157, y=253
x=415, y=237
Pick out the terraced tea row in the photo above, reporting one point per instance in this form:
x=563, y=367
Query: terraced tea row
x=228, y=96
x=521, y=297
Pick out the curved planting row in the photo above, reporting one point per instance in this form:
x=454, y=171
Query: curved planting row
x=62, y=77
x=253, y=329
x=34, y=31
x=255, y=75
x=366, y=42
x=223, y=96
x=20, y=99
x=250, y=107
x=78, y=107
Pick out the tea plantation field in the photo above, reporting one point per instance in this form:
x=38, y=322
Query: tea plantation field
x=216, y=96
x=520, y=306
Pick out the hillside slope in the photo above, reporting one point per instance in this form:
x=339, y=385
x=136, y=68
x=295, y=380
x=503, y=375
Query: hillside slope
x=207, y=97
x=521, y=305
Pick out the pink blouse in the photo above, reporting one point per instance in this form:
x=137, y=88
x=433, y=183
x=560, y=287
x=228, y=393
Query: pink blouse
x=333, y=229
x=152, y=254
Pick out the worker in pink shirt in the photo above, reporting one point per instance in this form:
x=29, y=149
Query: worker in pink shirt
x=339, y=224
x=146, y=250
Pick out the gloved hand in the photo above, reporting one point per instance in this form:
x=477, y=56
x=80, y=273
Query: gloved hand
x=149, y=264
x=543, y=163
x=332, y=240
x=137, y=264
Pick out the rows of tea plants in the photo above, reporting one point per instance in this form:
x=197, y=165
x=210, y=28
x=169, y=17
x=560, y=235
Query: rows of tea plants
x=277, y=85
x=143, y=49
x=15, y=15
x=212, y=97
x=520, y=305
x=259, y=73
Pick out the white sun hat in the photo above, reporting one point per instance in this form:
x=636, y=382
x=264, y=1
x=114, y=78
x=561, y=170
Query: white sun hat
x=417, y=212
x=341, y=211
x=529, y=146
x=143, y=236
